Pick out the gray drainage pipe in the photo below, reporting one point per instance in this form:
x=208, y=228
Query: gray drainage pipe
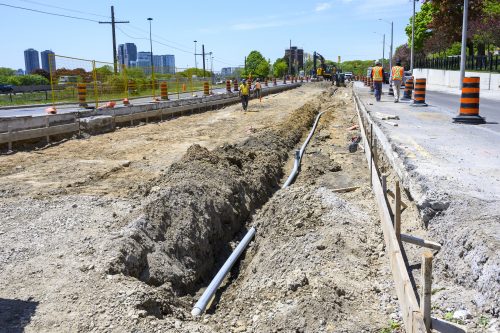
x=207, y=296
x=202, y=303
x=300, y=153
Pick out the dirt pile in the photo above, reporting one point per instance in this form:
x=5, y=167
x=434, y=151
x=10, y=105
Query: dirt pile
x=201, y=203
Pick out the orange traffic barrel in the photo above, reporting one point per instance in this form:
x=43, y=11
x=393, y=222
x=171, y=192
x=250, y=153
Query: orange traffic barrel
x=370, y=83
x=235, y=85
x=164, y=91
x=408, y=89
x=228, y=86
x=82, y=94
x=469, y=102
x=131, y=87
x=206, y=89
x=419, y=96
x=126, y=101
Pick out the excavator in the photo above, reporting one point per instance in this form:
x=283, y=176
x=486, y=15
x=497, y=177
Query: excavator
x=328, y=73
x=324, y=71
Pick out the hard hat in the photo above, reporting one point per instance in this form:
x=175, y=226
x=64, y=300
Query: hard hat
x=243, y=81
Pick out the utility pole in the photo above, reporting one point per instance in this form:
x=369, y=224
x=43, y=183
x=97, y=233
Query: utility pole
x=463, y=55
x=290, y=59
x=412, y=37
x=390, y=52
x=200, y=54
x=113, y=22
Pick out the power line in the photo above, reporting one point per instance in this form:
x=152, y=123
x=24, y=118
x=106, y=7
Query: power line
x=158, y=36
x=48, y=13
x=67, y=9
x=158, y=42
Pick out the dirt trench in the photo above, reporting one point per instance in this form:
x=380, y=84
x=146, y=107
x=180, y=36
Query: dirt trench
x=202, y=202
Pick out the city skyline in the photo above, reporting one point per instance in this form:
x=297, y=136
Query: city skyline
x=316, y=26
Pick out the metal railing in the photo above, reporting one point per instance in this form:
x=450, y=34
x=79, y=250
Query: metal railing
x=489, y=63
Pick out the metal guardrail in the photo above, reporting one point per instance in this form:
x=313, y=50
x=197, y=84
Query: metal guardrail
x=489, y=63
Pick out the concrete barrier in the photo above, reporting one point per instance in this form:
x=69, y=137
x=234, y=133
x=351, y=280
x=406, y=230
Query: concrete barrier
x=451, y=79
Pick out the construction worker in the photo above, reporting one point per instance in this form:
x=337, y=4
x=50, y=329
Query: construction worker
x=396, y=78
x=378, y=77
x=244, y=93
x=258, y=90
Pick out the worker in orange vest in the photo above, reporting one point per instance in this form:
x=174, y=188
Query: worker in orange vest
x=396, y=78
x=378, y=77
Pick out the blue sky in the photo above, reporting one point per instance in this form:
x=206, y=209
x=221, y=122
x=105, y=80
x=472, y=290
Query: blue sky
x=230, y=29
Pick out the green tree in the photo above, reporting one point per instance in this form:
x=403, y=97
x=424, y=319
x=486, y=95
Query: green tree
x=423, y=20
x=280, y=68
x=4, y=71
x=256, y=65
x=28, y=80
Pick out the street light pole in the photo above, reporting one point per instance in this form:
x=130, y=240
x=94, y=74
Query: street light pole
x=195, y=60
x=383, y=51
x=152, y=66
x=412, y=37
x=390, y=52
x=463, y=55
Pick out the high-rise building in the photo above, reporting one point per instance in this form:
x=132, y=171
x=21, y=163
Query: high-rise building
x=164, y=64
x=130, y=52
x=144, y=61
x=47, y=56
x=127, y=54
x=297, y=58
x=31, y=60
x=121, y=55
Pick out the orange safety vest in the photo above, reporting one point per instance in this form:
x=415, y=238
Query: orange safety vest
x=377, y=73
x=397, y=73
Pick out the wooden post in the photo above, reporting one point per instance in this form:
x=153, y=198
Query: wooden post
x=397, y=213
x=384, y=185
x=426, y=289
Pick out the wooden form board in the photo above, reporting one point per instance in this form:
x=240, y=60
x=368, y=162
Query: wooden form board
x=412, y=316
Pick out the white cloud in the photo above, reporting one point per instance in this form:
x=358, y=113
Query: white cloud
x=322, y=6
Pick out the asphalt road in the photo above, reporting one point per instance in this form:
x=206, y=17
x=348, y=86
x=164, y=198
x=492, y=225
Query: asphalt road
x=450, y=103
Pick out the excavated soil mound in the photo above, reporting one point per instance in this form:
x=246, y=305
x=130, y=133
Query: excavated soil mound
x=201, y=203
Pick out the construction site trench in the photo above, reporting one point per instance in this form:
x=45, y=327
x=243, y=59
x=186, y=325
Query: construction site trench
x=122, y=232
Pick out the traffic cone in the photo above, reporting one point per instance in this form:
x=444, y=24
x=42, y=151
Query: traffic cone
x=50, y=110
x=469, y=103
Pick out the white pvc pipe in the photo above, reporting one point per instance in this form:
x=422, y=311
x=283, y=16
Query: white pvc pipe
x=300, y=153
x=202, y=303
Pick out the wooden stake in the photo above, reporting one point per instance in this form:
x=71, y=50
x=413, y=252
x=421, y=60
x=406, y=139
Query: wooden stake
x=426, y=289
x=384, y=185
x=397, y=213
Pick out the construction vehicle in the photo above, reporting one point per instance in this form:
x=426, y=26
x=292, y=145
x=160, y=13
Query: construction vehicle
x=323, y=71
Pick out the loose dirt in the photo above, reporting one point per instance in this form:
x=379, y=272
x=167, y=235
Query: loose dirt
x=122, y=232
